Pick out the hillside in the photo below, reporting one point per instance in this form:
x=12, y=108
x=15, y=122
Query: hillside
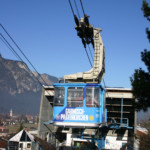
x=19, y=88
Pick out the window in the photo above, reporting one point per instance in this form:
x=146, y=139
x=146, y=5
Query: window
x=13, y=145
x=29, y=145
x=75, y=97
x=21, y=145
x=92, y=97
x=59, y=96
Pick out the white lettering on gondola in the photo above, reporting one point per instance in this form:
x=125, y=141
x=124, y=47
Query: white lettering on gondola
x=74, y=114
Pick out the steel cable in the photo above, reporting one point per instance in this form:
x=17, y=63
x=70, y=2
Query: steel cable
x=77, y=8
x=88, y=57
x=90, y=53
x=82, y=7
x=71, y=7
x=22, y=53
x=19, y=58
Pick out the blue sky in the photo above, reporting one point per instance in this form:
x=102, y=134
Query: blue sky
x=44, y=30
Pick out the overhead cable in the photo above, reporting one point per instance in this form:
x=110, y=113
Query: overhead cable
x=88, y=56
x=82, y=7
x=2, y=39
x=76, y=8
x=10, y=47
x=90, y=53
x=22, y=53
x=71, y=8
x=15, y=53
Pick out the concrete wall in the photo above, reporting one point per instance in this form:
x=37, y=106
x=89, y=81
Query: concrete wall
x=46, y=113
x=116, y=94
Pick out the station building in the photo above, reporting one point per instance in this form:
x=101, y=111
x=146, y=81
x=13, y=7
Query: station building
x=118, y=133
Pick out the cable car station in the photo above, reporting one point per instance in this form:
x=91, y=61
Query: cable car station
x=119, y=130
x=81, y=113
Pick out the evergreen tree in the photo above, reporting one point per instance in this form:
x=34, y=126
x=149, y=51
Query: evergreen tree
x=140, y=80
x=21, y=127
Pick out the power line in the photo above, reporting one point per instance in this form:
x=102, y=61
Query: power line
x=22, y=53
x=10, y=47
x=2, y=39
x=76, y=8
x=82, y=7
x=13, y=50
x=71, y=8
x=90, y=53
x=88, y=56
x=15, y=53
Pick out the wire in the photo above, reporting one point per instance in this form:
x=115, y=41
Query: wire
x=88, y=56
x=15, y=53
x=77, y=8
x=23, y=53
x=90, y=53
x=79, y=17
x=11, y=48
x=71, y=7
x=82, y=7
x=7, y=45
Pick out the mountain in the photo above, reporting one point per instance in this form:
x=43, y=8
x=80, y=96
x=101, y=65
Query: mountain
x=19, y=87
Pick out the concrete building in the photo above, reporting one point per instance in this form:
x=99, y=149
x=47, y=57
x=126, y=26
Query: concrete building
x=3, y=131
x=121, y=118
x=120, y=110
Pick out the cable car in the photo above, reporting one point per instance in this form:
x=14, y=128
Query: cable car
x=79, y=105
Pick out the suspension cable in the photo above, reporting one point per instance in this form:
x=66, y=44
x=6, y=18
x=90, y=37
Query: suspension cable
x=3, y=39
x=90, y=52
x=76, y=8
x=82, y=7
x=23, y=53
x=15, y=53
x=11, y=48
x=88, y=56
x=71, y=8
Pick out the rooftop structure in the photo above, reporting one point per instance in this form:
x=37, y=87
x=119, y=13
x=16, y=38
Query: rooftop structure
x=21, y=140
x=120, y=114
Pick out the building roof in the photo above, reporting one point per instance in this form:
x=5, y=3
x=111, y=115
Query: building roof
x=4, y=130
x=141, y=130
x=45, y=145
x=3, y=143
x=23, y=135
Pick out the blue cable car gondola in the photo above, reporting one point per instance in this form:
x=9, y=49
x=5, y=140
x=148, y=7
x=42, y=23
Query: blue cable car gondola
x=79, y=105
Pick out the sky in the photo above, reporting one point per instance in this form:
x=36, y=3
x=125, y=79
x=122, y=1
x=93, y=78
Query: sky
x=44, y=30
